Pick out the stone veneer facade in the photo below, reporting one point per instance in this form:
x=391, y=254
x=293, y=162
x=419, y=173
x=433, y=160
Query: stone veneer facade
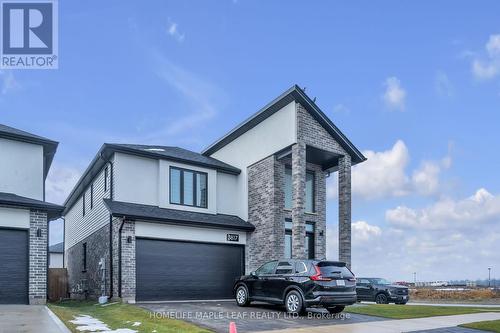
x=88, y=283
x=266, y=198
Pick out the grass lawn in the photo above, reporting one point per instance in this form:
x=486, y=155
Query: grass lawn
x=414, y=311
x=117, y=315
x=491, y=326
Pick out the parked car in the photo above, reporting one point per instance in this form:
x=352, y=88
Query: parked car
x=381, y=291
x=298, y=284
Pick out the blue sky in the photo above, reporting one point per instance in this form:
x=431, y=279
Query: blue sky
x=414, y=85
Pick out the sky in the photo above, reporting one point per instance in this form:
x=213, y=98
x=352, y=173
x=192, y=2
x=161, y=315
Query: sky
x=414, y=85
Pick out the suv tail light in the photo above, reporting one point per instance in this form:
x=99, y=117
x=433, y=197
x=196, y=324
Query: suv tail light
x=318, y=276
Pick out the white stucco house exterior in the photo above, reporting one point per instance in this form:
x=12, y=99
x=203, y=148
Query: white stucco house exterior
x=25, y=160
x=166, y=223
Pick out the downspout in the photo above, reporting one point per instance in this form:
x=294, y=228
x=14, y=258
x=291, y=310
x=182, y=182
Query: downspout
x=64, y=239
x=110, y=256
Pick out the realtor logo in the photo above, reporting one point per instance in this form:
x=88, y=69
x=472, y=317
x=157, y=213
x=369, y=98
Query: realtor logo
x=29, y=35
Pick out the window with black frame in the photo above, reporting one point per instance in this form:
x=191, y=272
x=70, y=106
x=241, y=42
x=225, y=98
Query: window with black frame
x=188, y=187
x=309, y=200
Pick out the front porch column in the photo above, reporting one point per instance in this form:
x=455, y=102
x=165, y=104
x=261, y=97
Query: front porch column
x=345, y=209
x=298, y=198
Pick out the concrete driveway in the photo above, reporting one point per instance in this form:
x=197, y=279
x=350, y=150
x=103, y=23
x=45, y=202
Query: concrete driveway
x=29, y=319
x=216, y=316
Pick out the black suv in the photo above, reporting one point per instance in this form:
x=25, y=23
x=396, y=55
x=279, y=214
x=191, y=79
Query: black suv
x=381, y=291
x=299, y=284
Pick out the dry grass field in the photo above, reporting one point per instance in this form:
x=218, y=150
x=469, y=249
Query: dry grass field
x=476, y=295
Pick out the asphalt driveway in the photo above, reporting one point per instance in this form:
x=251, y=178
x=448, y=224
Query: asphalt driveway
x=216, y=316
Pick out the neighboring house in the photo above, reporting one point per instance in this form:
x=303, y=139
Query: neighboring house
x=25, y=160
x=56, y=255
x=172, y=224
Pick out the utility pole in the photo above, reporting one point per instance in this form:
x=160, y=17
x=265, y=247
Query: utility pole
x=489, y=277
x=415, y=278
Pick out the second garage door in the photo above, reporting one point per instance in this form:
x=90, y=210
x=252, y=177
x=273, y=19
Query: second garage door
x=175, y=270
x=14, y=266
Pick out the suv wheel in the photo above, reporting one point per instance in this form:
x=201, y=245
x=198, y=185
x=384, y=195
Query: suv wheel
x=294, y=303
x=381, y=299
x=242, y=296
x=336, y=309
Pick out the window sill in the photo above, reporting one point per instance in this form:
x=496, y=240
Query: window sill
x=310, y=213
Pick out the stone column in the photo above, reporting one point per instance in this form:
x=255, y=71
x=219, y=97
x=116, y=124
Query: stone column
x=298, y=198
x=345, y=209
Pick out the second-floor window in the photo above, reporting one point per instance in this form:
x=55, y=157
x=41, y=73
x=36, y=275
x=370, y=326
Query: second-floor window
x=188, y=187
x=310, y=189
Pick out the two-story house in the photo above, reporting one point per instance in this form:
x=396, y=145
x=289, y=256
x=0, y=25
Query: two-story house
x=25, y=160
x=166, y=223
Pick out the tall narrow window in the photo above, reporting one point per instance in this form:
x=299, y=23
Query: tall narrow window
x=288, y=187
x=91, y=195
x=201, y=190
x=83, y=204
x=106, y=179
x=288, y=239
x=309, y=201
x=188, y=187
x=175, y=186
x=84, y=257
x=310, y=240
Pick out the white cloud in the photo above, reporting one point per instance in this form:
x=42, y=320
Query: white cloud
x=450, y=239
x=493, y=46
x=362, y=231
x=474, y=211
x=341, y=108
x=174, y=32
x=394, y=95
x=442, y=85
x=488, y=67
x=204, y=98
x=8, y=82
x=385, y=175
x=60, y=181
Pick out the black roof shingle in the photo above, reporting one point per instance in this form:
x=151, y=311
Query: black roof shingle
x=174, y=216
x=9, y=199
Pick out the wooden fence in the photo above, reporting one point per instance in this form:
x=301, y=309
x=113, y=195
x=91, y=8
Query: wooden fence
x=58, y=284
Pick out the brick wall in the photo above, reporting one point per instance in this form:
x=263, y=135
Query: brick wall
x=127, y=260
x=38, y=257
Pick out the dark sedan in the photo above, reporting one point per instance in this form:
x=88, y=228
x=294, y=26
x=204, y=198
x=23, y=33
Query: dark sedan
x=381, y=291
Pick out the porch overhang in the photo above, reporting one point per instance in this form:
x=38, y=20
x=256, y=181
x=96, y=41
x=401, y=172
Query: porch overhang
x=328, y=160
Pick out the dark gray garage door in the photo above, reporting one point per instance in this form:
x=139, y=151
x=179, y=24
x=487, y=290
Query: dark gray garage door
x=173, y=270
x=14, y=266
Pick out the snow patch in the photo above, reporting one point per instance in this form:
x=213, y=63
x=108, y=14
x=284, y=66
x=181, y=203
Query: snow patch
x=85, y=323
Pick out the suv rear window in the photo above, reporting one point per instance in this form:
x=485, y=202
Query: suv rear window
x=336, y=269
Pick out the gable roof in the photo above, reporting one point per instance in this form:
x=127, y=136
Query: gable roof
x=175, y=154
x=13, y=200
x=175, y=216
x=293, y=94
x=49, y=146
x=56, y=248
